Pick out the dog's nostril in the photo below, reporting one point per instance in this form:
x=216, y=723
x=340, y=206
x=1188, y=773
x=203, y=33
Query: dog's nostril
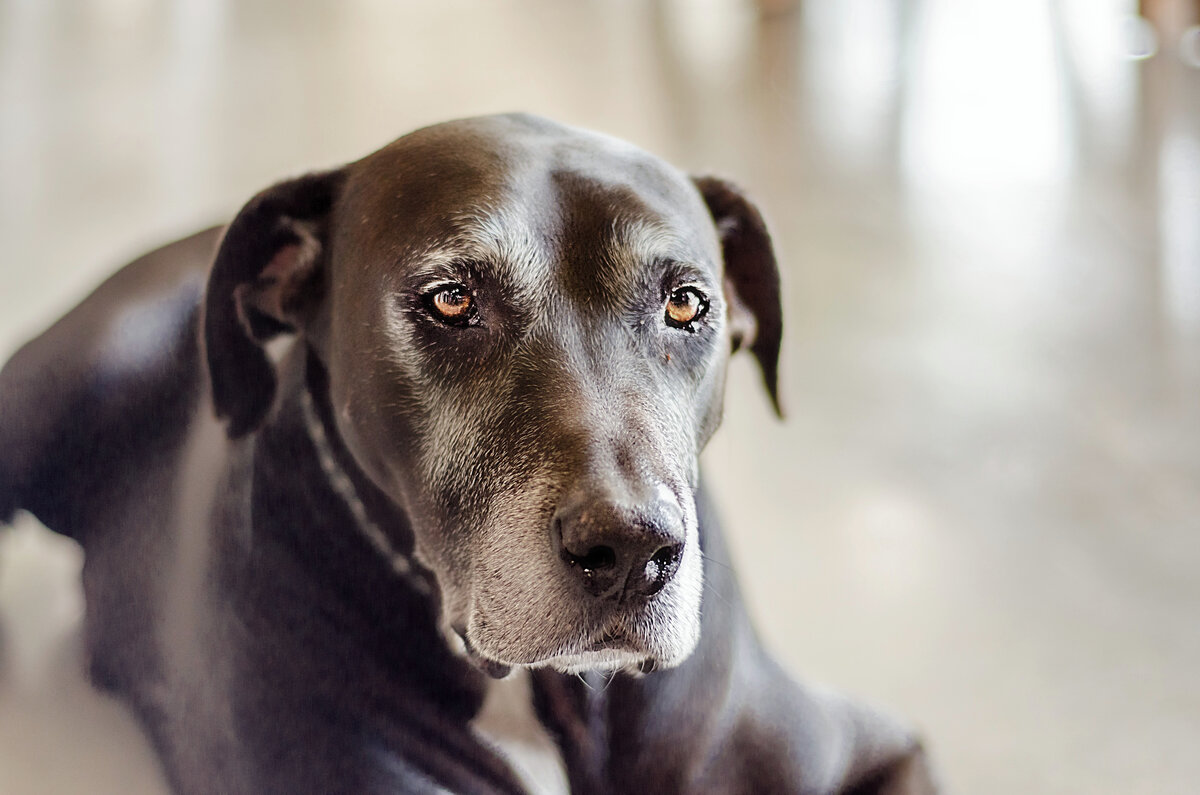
x=660, y=567
x=597, y=558
x=665, y=557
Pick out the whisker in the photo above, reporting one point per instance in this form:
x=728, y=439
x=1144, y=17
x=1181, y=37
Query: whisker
x=713, y=590
x=608, y=680
x=722, y=564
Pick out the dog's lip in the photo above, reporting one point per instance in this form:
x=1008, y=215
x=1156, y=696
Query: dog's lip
x=601, y=661
x=607, y=646
x=493, y=668
x=609, y=641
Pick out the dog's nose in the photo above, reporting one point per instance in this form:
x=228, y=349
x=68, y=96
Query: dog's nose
x=619, y=550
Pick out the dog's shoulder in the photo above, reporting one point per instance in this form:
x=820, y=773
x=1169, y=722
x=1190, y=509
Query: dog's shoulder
x=90, y=395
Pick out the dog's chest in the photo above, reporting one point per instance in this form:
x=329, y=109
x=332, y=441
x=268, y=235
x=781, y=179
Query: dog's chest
x=508, y=723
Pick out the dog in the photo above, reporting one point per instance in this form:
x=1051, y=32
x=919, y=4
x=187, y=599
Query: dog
x=414, y=430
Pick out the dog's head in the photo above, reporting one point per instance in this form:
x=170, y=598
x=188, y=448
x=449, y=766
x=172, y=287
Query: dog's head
x=525, y=328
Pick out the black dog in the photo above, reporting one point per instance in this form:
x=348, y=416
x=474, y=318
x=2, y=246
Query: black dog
x=305, y=567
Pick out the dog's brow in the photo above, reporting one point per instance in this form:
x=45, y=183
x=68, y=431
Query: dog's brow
x=500, y=248
x=649, y=241
x=649, y=249
x=500, y=240
x=500, y=236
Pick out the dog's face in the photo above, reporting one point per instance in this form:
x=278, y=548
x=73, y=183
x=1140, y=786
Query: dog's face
x=525, y=329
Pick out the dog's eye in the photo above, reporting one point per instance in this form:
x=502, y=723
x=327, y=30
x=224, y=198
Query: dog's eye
x=451, y=303
x=685, y=306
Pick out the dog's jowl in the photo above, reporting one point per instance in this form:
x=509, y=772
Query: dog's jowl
x=473, y=457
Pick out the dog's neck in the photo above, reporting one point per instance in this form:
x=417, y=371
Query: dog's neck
x=353, y=487
x=302, y=443
x=349, y=487
x=316, y=513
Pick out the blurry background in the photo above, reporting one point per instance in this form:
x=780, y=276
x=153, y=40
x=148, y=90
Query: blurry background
x=984, y=508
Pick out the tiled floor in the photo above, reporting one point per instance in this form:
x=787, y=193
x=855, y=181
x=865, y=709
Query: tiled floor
x=984, y=509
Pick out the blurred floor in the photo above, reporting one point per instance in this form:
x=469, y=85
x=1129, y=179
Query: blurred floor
x=984, y=509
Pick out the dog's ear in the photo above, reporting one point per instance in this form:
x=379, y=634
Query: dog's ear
x=751, y=277
x=267, y=279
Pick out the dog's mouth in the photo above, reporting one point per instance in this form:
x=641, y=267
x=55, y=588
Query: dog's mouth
x=525, y=617
x=612, y=650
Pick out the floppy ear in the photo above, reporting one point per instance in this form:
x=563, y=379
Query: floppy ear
x=751, y=277
x=267, y=279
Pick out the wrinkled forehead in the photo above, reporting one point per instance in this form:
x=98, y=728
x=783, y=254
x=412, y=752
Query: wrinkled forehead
x=525, y=196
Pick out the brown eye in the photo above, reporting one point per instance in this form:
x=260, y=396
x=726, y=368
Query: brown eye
x=685, y=306
x=451, y=303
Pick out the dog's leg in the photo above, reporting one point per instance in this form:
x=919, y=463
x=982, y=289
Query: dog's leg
x=909, y=774
x=8, y=490
x=80, y=400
